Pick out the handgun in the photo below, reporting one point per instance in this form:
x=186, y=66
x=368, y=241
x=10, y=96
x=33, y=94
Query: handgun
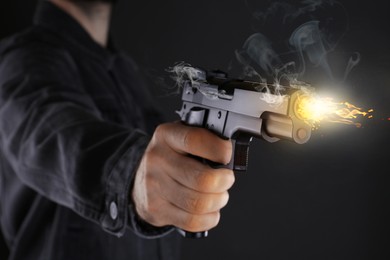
x=240, y=110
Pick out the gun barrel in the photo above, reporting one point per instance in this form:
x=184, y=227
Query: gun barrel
x=282, y=127
x=277, y=125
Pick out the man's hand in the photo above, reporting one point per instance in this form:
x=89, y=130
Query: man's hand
x=173, y=188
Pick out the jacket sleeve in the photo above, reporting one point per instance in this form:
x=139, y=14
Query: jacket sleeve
x=57, y=142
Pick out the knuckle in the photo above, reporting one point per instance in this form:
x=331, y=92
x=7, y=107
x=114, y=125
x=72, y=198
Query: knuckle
x=226, y=151
x=224, y=199
x=158, y=132
x=150, y=155
x=197, y=205
x=230, y=178
x=214, y=220
x=153, y=156
x=196, y=223
x=226, y=179
x=206, y=181
x=188, y=137
x=229, y=148
x=191, y=223
x=215, y=180
x=191, y=137
x=206, y=204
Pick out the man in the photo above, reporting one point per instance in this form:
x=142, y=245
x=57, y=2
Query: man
x=84, y=173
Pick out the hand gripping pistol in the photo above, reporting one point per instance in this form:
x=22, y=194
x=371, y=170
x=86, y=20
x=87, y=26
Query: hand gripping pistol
x=240, y=110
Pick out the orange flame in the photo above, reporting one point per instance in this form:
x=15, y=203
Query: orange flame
x=314, y=109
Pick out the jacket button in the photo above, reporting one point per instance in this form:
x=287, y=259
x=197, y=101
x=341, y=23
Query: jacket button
x=113, y=210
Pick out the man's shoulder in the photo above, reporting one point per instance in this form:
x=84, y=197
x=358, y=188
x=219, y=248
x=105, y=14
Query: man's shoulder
x=34, y=48
x=34, y=53
x=33, y=40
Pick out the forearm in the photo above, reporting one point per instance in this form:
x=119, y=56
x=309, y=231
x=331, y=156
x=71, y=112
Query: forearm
x=73, y=158
x=59, y=144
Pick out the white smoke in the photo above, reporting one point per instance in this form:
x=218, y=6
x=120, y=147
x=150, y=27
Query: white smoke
x=310, y=43
x=183, y=72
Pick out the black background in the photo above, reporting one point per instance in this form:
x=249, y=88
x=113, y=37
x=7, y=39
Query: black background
x=327, y=199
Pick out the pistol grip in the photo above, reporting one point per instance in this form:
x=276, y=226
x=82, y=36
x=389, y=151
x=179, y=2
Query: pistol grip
x=238, y=162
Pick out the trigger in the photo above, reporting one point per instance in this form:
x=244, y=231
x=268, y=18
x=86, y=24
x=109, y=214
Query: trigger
x=196, y=117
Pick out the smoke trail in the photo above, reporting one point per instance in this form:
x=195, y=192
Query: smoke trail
x=308, y=40
x=267, y=60
x=309, y=43
x=352, y=62
x=265, y=57
x=183, y=72
x=289, y=11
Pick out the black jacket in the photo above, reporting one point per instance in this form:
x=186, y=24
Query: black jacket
x=75, y=119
